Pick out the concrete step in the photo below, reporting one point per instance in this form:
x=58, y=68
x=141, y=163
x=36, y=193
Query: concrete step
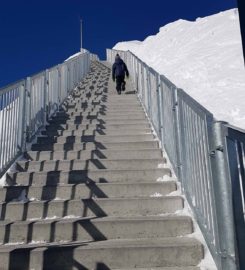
x=95, y=146
x=86, y=191
x=76, y=177
x=122, y=100
x=81, y=104
x=85, y=107
x=162, y=268
x=94, y=229
x=109, y=103
x=102, y=109
x=102, y=112
x=93, y=131
x=104, y=116
x=86, y=95
x=160, y=252
x=89, y=126
x=141, y=253
x=32, y=210
x=93, y=154
x=96, y=138
x=118, y=111
x=100, y=121
x=85, y=91
x=91, y=164
x=132, y=253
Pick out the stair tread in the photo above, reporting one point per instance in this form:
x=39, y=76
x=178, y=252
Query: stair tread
x=115, y=244
x=160, y=160
x=167, y=217
x=98, y=150
x=96, y=200
x=161, y=268
x=160, y=242
x=166, y=182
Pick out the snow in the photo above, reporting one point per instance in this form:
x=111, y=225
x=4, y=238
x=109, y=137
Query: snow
x=14, y=243
x=76, y=54
x=32, y=199
x=71, y=217
x=164, y=178
x=33, y=242
x=162, y=166
x=73, y=56
x=207, y=262
x=156, y=195
x=51, y=218
x=12, y=169
x=203, y=57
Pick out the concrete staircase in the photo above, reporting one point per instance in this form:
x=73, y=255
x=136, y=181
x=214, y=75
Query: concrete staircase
x=87, y=196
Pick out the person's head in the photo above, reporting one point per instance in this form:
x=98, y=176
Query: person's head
x=117, y=57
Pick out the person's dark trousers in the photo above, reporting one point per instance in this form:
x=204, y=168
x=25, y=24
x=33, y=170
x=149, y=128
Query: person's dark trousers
x=119, y=81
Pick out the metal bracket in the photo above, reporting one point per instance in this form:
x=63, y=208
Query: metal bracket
x=224, y=254
x=175, y=106
x=218, y=148
x=27, y=92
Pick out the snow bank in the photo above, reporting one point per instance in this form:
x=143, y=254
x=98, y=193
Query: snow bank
x=204, y=58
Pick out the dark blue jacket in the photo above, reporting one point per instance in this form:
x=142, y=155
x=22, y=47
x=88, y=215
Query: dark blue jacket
x=119, y=68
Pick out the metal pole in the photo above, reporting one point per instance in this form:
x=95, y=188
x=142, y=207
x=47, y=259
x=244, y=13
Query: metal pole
x=46, y=97
x=28, y=109
x=235, y=156
x=223, y=198
x=24, y=116
x=160, y=110
x=177, y=123
x=81, y=34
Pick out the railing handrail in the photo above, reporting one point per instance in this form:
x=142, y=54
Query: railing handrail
x=27, y=104
x=5, y=88
x=204, y=158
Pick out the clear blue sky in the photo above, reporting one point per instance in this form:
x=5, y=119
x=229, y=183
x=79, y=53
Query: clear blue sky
x=35, y=35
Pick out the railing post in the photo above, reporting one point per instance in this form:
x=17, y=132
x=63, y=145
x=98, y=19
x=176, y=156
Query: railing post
x=177, y=123
x=137, y=82
x=160, y=110
x=46, y=87
x=23, y=117
x=235, y=150
x=163, y=140
x=148, y=86
x=84, y=65
x=28, y=108
x=223, y=198
x=59, y=87
x=143, y=83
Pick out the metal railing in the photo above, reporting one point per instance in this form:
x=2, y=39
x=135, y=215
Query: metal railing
x=25, y=106
x=94, y=57
x=234, y=142
x=207, y=157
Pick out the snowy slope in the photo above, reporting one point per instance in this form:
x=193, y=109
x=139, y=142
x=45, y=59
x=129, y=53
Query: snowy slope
x=204, y=58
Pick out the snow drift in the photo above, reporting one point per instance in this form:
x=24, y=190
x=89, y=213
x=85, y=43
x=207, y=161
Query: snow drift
x=204, y=58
